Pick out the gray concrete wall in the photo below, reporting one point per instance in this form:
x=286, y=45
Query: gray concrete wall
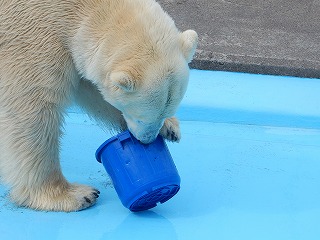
x=279, y=37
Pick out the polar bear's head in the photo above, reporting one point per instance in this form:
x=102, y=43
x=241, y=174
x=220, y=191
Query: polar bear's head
x=149, y=90
x=138, y=59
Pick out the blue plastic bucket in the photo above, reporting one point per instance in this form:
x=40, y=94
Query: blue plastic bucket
x=142, y=174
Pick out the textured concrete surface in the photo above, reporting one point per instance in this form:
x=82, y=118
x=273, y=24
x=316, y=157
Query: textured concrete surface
x=279, y=37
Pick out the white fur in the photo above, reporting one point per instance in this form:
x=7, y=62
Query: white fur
x=123, y=61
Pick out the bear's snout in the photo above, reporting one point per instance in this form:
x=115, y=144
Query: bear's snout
x=148, y=138
x=145, y=133
x=145, y=137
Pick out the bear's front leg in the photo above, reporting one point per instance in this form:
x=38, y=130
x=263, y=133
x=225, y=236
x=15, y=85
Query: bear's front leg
x=30, y=164
x=171, y=130
x=89, y=98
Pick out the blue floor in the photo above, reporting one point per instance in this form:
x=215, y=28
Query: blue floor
x=249, y=162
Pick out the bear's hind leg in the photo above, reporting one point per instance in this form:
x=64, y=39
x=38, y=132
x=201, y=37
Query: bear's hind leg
x=29, y=160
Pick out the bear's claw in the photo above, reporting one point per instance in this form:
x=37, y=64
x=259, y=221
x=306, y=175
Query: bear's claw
x=171, y=130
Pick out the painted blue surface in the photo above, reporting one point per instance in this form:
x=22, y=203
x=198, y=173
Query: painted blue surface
x=249, y=162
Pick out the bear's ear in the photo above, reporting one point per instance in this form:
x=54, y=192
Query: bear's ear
x=123, y=81
x=189, y=41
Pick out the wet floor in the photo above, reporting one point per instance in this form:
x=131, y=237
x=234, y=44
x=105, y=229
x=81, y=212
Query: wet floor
x=249, y=167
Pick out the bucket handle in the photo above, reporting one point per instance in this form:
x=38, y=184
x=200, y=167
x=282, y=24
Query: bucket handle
x=124, y=137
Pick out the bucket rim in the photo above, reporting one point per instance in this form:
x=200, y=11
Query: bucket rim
x=99, y=151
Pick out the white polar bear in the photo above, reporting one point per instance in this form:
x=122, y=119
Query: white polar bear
x=123, y=61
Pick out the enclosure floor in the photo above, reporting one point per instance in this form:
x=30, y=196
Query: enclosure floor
x=238, y=181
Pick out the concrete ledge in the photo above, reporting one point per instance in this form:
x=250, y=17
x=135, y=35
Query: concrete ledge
x=257, y=65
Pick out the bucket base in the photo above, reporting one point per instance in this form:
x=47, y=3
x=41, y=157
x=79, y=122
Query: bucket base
x=151, y=199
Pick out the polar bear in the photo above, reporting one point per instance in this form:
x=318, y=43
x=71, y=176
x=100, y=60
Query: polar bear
x=123, y=61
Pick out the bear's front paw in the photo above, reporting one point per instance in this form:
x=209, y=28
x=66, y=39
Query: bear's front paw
x=63, y=197
x=84, y=197
x=171, y=130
